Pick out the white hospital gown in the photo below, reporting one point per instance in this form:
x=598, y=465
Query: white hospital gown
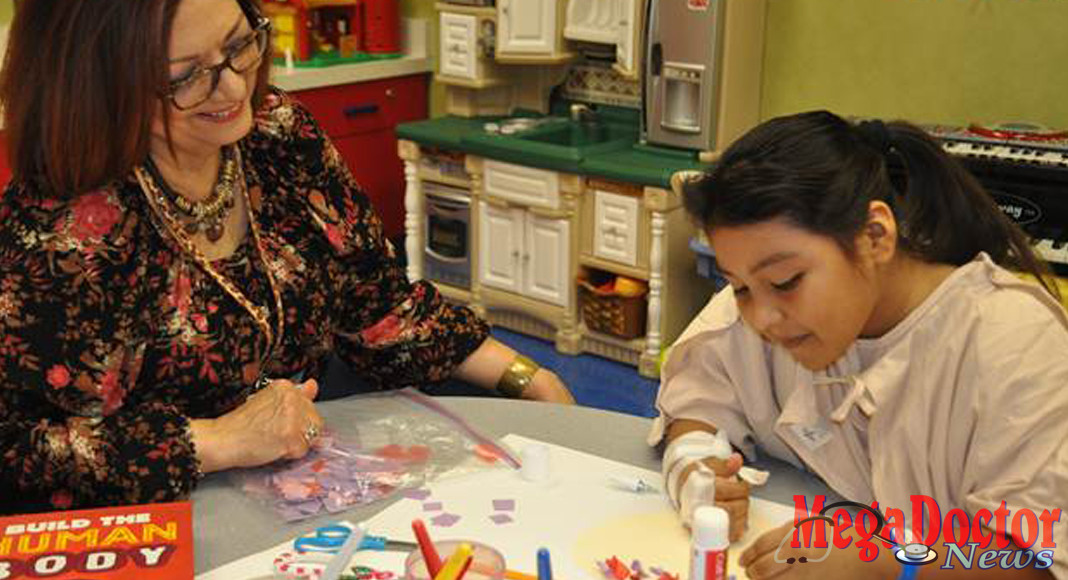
x=965, y=401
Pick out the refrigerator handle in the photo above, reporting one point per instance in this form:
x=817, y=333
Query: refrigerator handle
x=657, y=58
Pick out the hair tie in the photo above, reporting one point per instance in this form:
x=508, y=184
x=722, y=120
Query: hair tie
x=876, y=135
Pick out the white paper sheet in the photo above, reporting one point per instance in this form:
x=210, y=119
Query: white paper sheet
x=579, y=515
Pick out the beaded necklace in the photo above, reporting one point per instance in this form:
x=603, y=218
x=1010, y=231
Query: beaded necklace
x=210, y=214
x=157, y=200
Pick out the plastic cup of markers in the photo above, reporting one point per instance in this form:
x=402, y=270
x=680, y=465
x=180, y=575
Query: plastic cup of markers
x=486, y=562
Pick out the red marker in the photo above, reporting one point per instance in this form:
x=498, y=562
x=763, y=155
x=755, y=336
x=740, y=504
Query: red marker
x=430, y=555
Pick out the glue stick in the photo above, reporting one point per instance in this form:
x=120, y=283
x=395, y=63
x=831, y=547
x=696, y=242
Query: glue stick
x=711, y=531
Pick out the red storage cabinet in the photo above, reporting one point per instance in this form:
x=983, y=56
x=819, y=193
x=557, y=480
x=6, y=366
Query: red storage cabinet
x=360, y=119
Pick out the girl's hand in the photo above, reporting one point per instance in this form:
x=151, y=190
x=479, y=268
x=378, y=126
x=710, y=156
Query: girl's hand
x=274, y=423
x=759, y=559
x=732, y=493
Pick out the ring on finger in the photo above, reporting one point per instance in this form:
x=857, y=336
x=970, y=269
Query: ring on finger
x=311, y=434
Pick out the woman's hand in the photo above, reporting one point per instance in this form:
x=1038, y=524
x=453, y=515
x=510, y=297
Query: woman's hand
x=759, y=559
x=273, y=423
x=732, y=493
x=546, y=386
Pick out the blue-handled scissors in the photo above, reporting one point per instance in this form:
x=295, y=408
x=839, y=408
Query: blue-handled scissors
x=329, y=539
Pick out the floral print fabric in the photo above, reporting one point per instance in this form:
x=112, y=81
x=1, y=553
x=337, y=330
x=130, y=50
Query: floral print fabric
x=112, y=338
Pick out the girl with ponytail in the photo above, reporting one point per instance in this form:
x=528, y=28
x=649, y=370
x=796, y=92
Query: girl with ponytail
x=872, y=332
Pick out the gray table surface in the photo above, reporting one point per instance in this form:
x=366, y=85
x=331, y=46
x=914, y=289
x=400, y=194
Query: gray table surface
x=228, y=525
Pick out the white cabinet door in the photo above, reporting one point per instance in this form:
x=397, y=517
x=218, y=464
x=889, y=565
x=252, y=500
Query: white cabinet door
x=547, y=267
x=615, y=227
x=459, y=40
x=522, y=185
x=500, y=245
x=626, y=47
x=526, y=26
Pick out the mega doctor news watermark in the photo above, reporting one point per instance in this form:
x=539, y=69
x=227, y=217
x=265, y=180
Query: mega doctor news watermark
x=1002, y=538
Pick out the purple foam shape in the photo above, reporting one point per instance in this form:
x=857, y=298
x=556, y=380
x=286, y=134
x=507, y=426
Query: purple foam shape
x=289, y=514
x=500, y=519
x=432, y=506
x=416, y=494
x=445, y=520
x=503, y=505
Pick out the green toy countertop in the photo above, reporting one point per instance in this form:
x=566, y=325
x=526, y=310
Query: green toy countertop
x=556, y=143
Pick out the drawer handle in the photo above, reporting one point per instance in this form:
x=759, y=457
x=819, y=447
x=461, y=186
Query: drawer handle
x=357, y=110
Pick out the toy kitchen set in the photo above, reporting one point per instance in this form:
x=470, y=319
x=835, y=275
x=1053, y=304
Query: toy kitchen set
x=311, y=33
x=543, y=199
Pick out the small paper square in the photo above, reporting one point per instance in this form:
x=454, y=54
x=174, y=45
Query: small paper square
x=416, y=494
x=445, y=520
x=432, y=506
x=501, y=519
x=503, y=505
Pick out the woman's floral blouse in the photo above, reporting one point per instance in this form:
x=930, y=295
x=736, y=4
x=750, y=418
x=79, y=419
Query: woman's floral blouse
x=111, y=338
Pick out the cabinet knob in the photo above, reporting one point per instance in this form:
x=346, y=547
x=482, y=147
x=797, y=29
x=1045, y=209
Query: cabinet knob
x=391, y=93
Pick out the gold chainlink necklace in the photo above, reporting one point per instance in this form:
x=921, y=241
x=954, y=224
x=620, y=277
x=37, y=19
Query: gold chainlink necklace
x=157, y=200
x=210, y=214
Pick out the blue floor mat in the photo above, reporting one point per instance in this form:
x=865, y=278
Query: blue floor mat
x=595, y=381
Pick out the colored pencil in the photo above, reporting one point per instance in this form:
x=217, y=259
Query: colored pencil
x=456, y=564
x=545, y=568
x=430, y=554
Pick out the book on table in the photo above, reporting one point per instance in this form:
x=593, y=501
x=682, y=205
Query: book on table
x=143, y=542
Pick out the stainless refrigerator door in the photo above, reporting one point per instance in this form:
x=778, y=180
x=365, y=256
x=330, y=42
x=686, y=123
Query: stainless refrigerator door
x=682, y=72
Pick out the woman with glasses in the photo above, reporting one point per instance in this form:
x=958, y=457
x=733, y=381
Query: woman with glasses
x=179, y=243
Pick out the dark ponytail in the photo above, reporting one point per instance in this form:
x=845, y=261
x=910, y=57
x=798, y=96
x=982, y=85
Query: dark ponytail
x=821, y=172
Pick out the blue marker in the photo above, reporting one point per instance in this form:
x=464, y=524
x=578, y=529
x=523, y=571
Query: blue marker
x=545, y=568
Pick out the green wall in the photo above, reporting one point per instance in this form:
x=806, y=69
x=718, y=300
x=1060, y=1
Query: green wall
x=951, y=61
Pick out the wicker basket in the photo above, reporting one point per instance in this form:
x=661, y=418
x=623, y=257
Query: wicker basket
x=611, y=313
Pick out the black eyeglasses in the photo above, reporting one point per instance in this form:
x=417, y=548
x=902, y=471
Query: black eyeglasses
x=198, y=86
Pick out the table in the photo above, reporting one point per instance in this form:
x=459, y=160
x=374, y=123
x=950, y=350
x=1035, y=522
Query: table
x=228, y=525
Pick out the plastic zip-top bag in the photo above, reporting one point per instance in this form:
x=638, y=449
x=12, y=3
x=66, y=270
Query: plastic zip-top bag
x=406, y=440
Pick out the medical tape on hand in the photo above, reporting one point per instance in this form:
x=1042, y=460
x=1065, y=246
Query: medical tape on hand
x=687, y=449
x=699, y=489
x=691, y=448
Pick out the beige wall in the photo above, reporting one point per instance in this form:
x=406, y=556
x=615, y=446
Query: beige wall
x=951, y=61
x=425, y=9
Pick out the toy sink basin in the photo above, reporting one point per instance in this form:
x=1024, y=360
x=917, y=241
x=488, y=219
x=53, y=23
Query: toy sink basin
x=553, y=142
x=578, y=134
